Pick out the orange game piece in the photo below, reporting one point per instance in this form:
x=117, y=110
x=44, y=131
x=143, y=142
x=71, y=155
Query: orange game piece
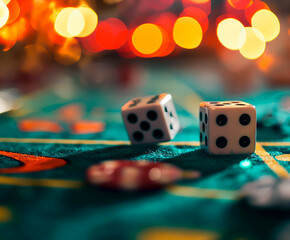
x=34, y=125
x=87, y=127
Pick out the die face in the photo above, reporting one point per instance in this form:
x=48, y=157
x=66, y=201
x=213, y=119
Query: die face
x=148, y=119
x=231, y=127
x=146, y=124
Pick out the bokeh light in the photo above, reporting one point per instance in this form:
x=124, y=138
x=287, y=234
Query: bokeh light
x=61, y=22
x=4, y=14
x=51, y=23
x=267, y=23
x=254, y=45
x=70, y=22
x=91, y=21
x=238, y=14
x=187, y=33
x=231, y=33
x=198, y=15
x=147, y=38
x=75, y=23
x=111, y=34
x=166, y=48
x=255, y=6
x=90, y=42
x=240, y=4
x=166, y=23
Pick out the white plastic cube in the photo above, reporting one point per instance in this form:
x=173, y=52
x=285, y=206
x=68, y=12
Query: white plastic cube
x=227, y=127
x=151, y=119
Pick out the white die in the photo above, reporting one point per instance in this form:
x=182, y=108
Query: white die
x=227, y=127
x=150, y=119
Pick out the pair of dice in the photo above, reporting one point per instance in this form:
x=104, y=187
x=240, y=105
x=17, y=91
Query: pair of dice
x=227, y=127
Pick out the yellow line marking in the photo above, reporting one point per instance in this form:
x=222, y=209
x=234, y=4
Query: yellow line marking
x=114, y=142
x=284, y=157
x=186, y=191
x=28, y=182
x=5, y=214
x=270, y=144
x=271, y=162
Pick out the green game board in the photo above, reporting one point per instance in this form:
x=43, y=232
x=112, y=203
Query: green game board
x=56, y=203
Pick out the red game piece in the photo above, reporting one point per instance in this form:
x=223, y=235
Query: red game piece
x=133, y=175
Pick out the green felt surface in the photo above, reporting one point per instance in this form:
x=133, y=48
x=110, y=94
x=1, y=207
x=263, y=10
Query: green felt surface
x=85, y=212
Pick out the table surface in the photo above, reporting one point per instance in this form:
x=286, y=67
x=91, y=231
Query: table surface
x=43, y=194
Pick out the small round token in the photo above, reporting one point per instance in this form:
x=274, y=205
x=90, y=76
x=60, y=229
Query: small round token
x=268, y=193
x=133, y=175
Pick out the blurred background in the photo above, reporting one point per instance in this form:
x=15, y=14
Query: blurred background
x=236, y=47
x=246, y=42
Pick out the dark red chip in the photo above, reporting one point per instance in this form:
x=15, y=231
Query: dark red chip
x=133, y=175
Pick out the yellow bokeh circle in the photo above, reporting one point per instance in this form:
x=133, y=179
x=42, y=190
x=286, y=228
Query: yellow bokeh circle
x=76, y=22
x=61, y=22
x=267, y=23
x=187, y=33
x=231, y=33
x=91, y=21
x=147, y=38
x=254, y=45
